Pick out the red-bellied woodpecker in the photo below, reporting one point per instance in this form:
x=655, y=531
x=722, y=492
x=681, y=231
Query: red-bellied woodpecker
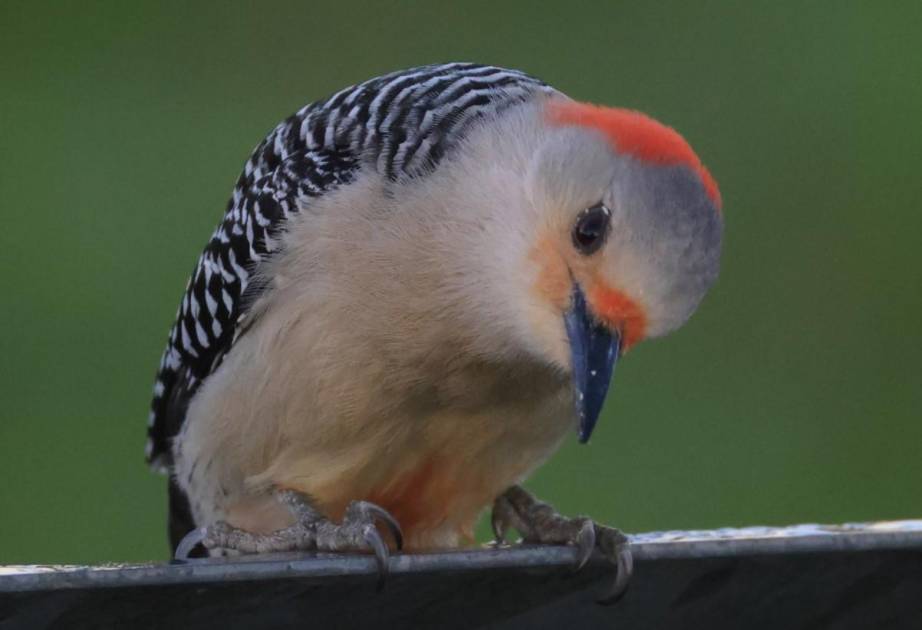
x=420, y=285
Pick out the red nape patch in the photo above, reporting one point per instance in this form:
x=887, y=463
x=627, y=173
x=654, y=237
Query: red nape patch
x=635, y=134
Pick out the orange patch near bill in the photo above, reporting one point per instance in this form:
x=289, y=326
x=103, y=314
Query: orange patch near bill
x=553, y=280
x=619, y=311
x=637, y=135
x=612, y=307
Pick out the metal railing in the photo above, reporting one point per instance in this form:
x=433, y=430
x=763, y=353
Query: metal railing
x=808, y=576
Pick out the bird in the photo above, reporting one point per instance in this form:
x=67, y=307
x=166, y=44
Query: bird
x=420, y=287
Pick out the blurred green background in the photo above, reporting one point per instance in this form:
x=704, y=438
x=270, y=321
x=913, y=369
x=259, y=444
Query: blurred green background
x=793, y=395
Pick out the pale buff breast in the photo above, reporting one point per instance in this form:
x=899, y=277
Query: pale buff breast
x=434, y=456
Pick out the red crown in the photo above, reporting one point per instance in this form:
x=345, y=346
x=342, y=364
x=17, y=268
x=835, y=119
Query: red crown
x=637, y=135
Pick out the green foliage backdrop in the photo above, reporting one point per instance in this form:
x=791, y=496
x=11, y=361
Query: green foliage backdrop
x=793, y=395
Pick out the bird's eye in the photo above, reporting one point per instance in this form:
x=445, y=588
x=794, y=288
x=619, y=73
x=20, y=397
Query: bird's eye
x=591, y=229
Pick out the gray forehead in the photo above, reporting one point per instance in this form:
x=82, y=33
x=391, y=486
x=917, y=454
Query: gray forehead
x=667, y=209
x=668, y=195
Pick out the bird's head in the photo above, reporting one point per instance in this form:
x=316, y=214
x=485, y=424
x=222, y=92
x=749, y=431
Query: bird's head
x=626, y=244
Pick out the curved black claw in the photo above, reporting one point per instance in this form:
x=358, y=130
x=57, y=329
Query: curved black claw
x=625, y=564
x=499, y=520
x=373, y=538
x=499, y=530
x=540, y=523
x=585, y=544
x=189, y=542
x=392, y=525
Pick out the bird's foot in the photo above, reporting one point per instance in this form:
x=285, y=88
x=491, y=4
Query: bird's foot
x=312, y=531
x=538, y=522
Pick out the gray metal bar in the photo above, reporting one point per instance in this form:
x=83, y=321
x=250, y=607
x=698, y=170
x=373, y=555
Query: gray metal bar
x=843, y=576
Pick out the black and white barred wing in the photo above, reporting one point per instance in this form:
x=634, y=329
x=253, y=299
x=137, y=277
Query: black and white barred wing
x=213, y=305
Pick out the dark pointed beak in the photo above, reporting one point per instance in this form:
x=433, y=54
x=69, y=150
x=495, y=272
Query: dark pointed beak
x=594, y=351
